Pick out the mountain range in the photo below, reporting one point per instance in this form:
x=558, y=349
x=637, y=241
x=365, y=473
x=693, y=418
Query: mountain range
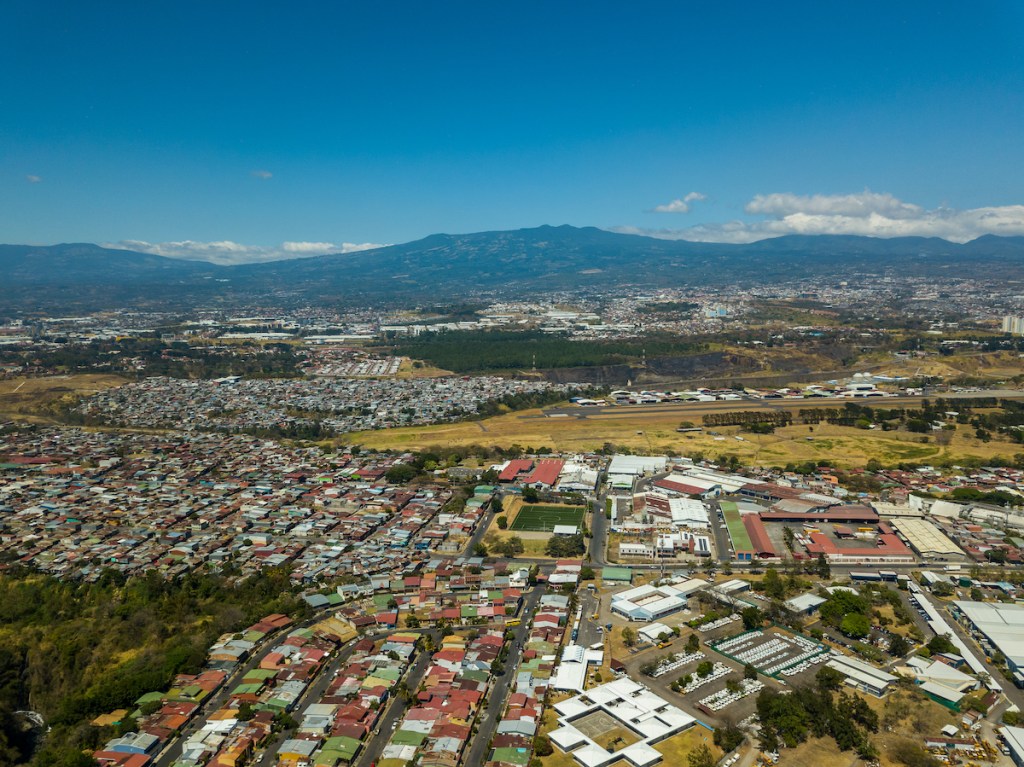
x=513, y=263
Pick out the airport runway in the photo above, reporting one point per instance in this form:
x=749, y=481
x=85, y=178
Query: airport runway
x=723, y=406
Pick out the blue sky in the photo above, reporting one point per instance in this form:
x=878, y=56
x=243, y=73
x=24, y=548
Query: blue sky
x=176, y=125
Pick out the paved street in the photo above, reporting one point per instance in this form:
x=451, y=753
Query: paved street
x=315, y=692
x=487, y=720
x=173, y=749
x=396, y=710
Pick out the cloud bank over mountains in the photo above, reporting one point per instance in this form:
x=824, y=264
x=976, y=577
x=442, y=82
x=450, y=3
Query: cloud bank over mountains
x=228, y=253
x=868, y=213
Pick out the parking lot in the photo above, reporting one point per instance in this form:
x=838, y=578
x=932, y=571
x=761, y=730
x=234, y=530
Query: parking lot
x=773, y=652
x=690, y=699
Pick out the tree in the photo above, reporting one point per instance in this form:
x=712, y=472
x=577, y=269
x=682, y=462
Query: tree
x=497, y=505
x=996, y=555
x=941, y=644
x=828, y=678
x=565, y=546
x=511, y=547
x=898, y=646
x=773, y=586
x=530, y=495
x=480, y=550
x=728, y=737
x=701, y=757
x=628, y=636
x=400, y=473
x=587, y=573
x=855, y=625
x=542, y=746
x=692, y=644
x=502, y=522
x=752, y=617
x=912, y=754
x=749, y=672
x=822, y=568
x=704, y=668
x=841, y=603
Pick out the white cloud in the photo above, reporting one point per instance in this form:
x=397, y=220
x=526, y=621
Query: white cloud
x=32, y=178
x=228, y=253
x=263, y=175
x=867, y=213
x=861, y=205
x=679, y=205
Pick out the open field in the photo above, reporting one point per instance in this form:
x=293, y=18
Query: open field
x=677, y=748
x=905, y=714
x=417, y=369
x=36, y=398
x=544, y=518
x=653, y=430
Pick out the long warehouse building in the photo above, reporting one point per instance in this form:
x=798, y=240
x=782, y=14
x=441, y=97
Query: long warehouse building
x=926, y=539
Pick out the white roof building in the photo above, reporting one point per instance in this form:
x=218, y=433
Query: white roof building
x=926, y=539
x=805, y=603
x=862, y=675
x=648, y=603
x=688, y=512
x=623, y=469
x=1014, y=738
x=654, y=631
x=572, y=670
x=633, y=707
x=1000, y=625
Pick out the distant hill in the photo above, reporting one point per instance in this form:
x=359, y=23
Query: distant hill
x=86, y=263
x=447, y=266
x=565, y=257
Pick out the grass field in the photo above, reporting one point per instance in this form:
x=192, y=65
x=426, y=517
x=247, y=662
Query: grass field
x=544, y=518
x=37, y=398
x=653, y=431
x=734, y=521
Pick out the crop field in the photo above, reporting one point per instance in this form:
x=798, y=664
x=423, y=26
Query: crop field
x=543, y=519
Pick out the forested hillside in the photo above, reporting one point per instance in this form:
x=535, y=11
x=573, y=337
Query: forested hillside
x=70, y=651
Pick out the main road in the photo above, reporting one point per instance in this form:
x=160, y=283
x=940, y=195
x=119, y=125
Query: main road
x=388, y=723
x=488, y=718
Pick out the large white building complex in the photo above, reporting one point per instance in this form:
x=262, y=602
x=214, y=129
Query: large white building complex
x=998, y=627
x=620, y=704
x=648, y=603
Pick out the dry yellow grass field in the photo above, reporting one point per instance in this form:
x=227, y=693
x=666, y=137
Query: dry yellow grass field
x=409, y=369
x=654, y=431
x=904, y=714
x=34, y=398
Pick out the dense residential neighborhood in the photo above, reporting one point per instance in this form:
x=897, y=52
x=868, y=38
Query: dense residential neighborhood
x=431, y=639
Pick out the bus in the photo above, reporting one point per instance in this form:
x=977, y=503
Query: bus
x=513, y=622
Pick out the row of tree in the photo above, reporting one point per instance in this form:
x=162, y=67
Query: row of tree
x=749, y=417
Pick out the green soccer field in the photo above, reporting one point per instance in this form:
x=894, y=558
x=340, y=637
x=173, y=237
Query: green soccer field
x=543, y=519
